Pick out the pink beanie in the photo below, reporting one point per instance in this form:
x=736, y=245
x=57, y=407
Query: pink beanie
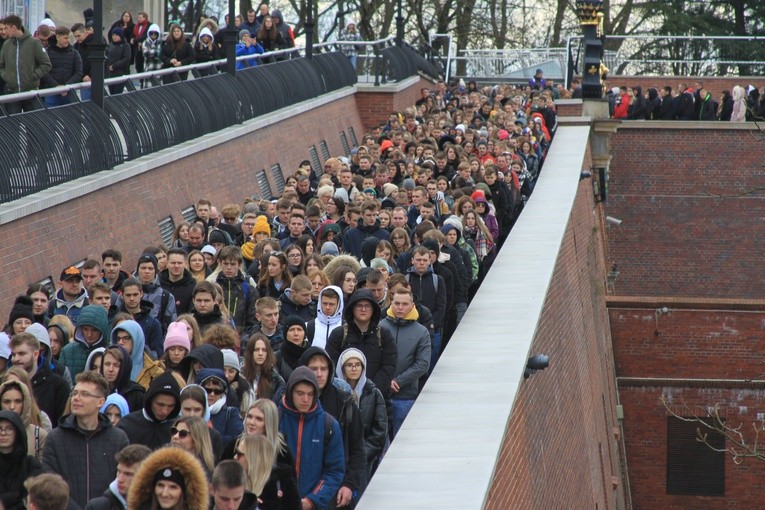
x=177, y=336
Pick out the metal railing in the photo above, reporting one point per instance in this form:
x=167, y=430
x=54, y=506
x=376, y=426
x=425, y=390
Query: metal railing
x=634, y=55
x=49, y=146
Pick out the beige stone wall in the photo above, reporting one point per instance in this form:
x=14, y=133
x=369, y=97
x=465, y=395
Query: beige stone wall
x=69, y=12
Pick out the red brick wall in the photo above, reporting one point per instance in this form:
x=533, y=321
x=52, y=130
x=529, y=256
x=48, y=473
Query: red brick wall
x=375, y=107
x=559, y=449
x=569, y=110
x=125, y=215
x=692, y=202
x=695, y=340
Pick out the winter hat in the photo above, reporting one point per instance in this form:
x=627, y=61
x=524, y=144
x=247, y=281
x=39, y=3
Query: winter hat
x=261, y=226
x=460, y=127
x=452, y=222
x=341, y=194
x=503, y=134
x=330, y=227
x=385, y=145
x=389, y=188
x=118, y=31
x=248, y=251
x=40, y=333
x=408, y=183
x=147, y=257
x=476, y=194
x=230, y=359
x=209, y=250
x=294, y=320
x=243, y=32
x=352, y=353
x=217, y=237
x=378, y=263
x=48, y=23
x=432, y=245
x=371, y=191
x=177, y=336
x=22, y=308
x=329, y=248
x=171, y=475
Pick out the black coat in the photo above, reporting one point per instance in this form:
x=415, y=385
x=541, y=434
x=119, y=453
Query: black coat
x=183, y=52
x=51, y=393
x=181, y=290
x=118, y=59
x=106, y=502
x=66, y=67
x=15, y=467
x=141, y=426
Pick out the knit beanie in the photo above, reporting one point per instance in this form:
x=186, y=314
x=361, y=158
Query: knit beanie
x=147, y=257
x=432, y=245
x=118, y=31
x=261, y=226
x=352, y=353
x=329, y=248
x=217, y=237
x=248, y=251
x=22, y=308
x=389, y=188
x=294, y=320
x=243, y=32
x=408, y=183
x=378, y=263
x=177, y=336
x=485, y=188
x=230, y=359
x=452, y=222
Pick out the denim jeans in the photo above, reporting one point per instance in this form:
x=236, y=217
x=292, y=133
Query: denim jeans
x=400, y=409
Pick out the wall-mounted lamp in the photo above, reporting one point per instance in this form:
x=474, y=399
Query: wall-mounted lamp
x=538, y=362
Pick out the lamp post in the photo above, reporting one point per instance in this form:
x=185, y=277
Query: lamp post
x=590, y=14
x=229, y=38
x=97, y=55
x=309, y=31
x=400, y=24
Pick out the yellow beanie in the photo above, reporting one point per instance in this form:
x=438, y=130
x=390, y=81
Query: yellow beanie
x=261, y=226
x=248, y=250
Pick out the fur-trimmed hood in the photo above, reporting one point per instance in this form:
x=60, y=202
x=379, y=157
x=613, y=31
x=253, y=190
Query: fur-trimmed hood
x=195, y=495
x=341, y=260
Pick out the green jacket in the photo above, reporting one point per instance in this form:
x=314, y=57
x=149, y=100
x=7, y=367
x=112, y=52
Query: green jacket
x=23, y=62
x=75, y=354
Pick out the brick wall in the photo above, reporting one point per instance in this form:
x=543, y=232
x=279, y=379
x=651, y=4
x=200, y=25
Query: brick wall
x=559, y=449
x=376, y=104
x=125, y=215
x=692, y=202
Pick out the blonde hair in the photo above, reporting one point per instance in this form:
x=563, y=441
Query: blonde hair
x=260, y=460
x=201, y=437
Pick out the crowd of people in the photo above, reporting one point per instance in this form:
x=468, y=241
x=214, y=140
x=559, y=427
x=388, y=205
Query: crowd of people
x=47, y=57
x=687, y=103
x=274, y=348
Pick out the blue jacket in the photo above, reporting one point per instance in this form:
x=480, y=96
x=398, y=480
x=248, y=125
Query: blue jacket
x=224, y=418
x=241, y=49
x=319, y=472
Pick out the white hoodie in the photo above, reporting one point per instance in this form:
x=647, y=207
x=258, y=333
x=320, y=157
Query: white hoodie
x=325, y=325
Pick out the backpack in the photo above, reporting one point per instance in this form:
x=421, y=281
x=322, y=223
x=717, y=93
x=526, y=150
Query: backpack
x=432, y=274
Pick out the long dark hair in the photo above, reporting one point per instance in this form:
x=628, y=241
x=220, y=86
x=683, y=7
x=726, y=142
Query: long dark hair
x=264, y=34
x=264, y=373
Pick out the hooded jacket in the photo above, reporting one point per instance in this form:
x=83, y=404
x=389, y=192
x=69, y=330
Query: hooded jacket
x=215, y=437
x=158, y=297
x=354, y=237
x=84, y=459
x=240, y=304
x=23, y=63
x=151, y=49
x=371, y=402
x=151, y=327
x=60, y=306
x=142, y=427
x=35, y=434
x=130, y=390
x=225, y=418
x=342, y=406
x=195, y=491
x=143, y=368
x=208, y=356
x=17, y=466
x=319, y=469
x=117, y=58
x=434, y=298
x=318, y=330
x=75, y=354
x=414, y=347
x=376, y=343
x=181, y=290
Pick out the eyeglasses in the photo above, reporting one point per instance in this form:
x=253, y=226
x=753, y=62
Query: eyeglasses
x=83, y=394
x=124, y=338
x=363, y=306
x=352, y=366
x=214, y=391
x=295, y=255
x=6, y=431
x=182, y=433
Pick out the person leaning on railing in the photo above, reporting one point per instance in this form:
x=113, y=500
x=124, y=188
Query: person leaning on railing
x=350, y=34
x=23, y=62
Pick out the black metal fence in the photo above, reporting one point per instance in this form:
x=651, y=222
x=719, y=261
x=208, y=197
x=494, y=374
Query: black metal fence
x=44, y=148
